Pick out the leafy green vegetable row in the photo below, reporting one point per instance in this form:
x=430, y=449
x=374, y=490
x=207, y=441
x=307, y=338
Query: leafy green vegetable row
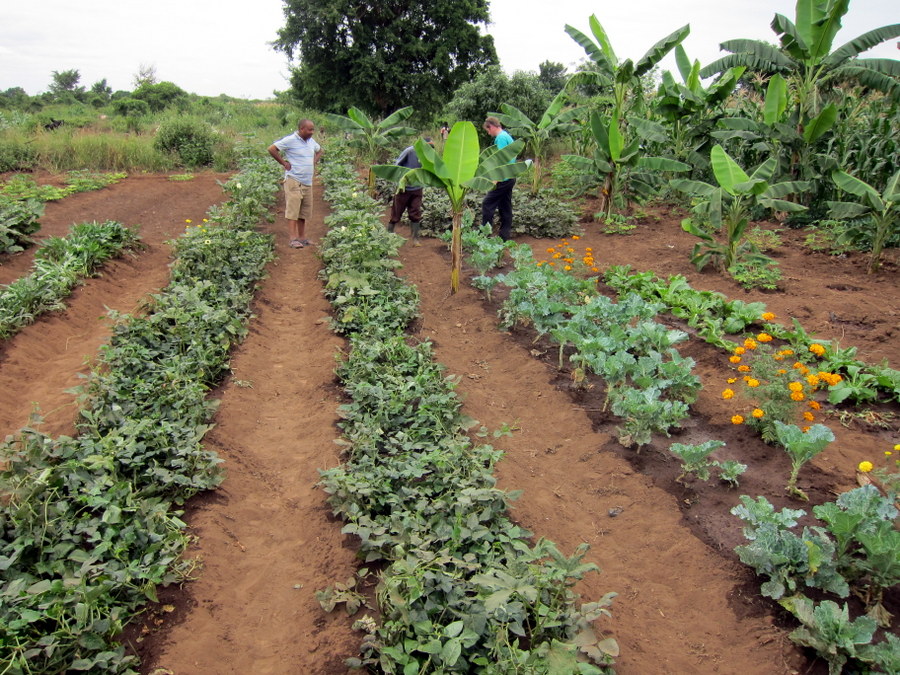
x=461, y=589
x=89, y=524
x=59, y=265
x=714, y=317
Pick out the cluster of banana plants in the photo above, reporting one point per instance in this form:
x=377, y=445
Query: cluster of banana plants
x=460, y=588
x=89, y=526
x=793, y=109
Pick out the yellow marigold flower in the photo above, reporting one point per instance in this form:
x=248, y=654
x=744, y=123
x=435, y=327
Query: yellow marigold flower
x=797, y=396
x=781, y=371
x=787, y=352
x=188, y=221
x=594, y=269
x=588, y=249
x=744, y=369
x=797, y=365
x=768, y=316
x=727, y=394
x=731, y=380
x=866, y=466
x=813, y=380
x=740, y=350
x=750, y=343
x=814, y=405
x=803, y=370
x=575, y=237
x=836, y=379
x=570, y=250
x=817, y=349
x=758, y=412
x=795, y=386
x=808, y=416
x=764, y=337
x=206, y=220
x=567, y=268
x=805, y=429
x=897, y=447
x=752, y=382
x=778, y=358
x=888, y=453
x=746, y=378
x=734, y=359
x=557, y=255
x=737, y=419
x=540, y=262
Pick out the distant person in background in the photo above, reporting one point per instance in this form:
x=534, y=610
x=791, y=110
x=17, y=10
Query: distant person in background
x=298, y=153
x=500, y=198
x=445, y=131
x=410, y=200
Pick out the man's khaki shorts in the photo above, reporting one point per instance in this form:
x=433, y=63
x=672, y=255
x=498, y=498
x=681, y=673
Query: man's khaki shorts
x=297, y=200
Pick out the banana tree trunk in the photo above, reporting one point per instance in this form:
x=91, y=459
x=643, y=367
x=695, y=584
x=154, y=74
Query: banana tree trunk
x=456, y=251
x=536, y=179
x=371, y=183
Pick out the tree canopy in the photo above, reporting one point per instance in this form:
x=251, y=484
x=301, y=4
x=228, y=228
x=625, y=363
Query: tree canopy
x=380, y=56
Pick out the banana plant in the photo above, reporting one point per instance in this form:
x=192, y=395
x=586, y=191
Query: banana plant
x=728, y=204
x=805, y=56
x=618, y=163
x=460, y=169
x=372, y=136
x=691, y=108
x=556, y=121
x=883, y=209
x=624, y=76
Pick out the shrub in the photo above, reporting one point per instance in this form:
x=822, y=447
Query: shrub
x=16, y=157
x=130, y=107
x=191, y=139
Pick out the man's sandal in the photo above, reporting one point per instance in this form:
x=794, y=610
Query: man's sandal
x=297, y=243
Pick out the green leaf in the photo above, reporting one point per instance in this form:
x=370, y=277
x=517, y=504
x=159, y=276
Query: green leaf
x=857, y=187
x=820, y=124
x=726, y=170
x=461, y=151
x=657, y=52
x=776, y=99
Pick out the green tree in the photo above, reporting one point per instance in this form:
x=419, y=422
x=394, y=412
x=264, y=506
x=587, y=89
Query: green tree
x=65, y=82
x=101, y=88
x=160, y=96
x=806, y=59
x=381, y=55
x=492, y=88
x=553, y=76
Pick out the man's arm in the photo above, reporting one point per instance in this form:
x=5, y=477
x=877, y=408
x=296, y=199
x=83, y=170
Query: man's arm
x=276, y=154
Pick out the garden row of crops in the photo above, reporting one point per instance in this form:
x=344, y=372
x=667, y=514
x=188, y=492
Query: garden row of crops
x=853, y=547
x=460, y=587
x=91, y=525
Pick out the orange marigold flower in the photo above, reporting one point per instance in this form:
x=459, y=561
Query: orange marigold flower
x=750, y=343
x=540, y=262
x=734, y=359
x=752, y=382
x=808, y=416
x=803, y=370
x=804, y=429
x=727, y=394
x=764, y=337
x=737, y=419
x=787, y=352
x=557, y=255
x=813, y=380
x=797, y=365
x=567, y=268
x=797, y=396
x=817, y=349
x=781, y=371
x=594, y=269
x=768, y=316
x=814, y=405
x=551, y=250
x=795, y=386
x=588, y=249
x=740, y=350
x=835, y=379
x=575, y=237
x=758, y=412
x=778, y=358
x=744, y=369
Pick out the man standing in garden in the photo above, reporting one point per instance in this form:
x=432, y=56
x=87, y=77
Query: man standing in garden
x=500, y=198
x=298, y=153
x=410, y=200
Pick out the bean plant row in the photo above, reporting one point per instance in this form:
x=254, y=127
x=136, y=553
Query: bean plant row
x=91, y=525
x=59, y=264
x=461, y=588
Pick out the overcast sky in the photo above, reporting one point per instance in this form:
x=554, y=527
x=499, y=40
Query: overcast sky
x=213, y=47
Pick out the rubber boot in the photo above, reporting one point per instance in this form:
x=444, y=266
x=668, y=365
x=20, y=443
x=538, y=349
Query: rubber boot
x=391, y=226
x=414, y=230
